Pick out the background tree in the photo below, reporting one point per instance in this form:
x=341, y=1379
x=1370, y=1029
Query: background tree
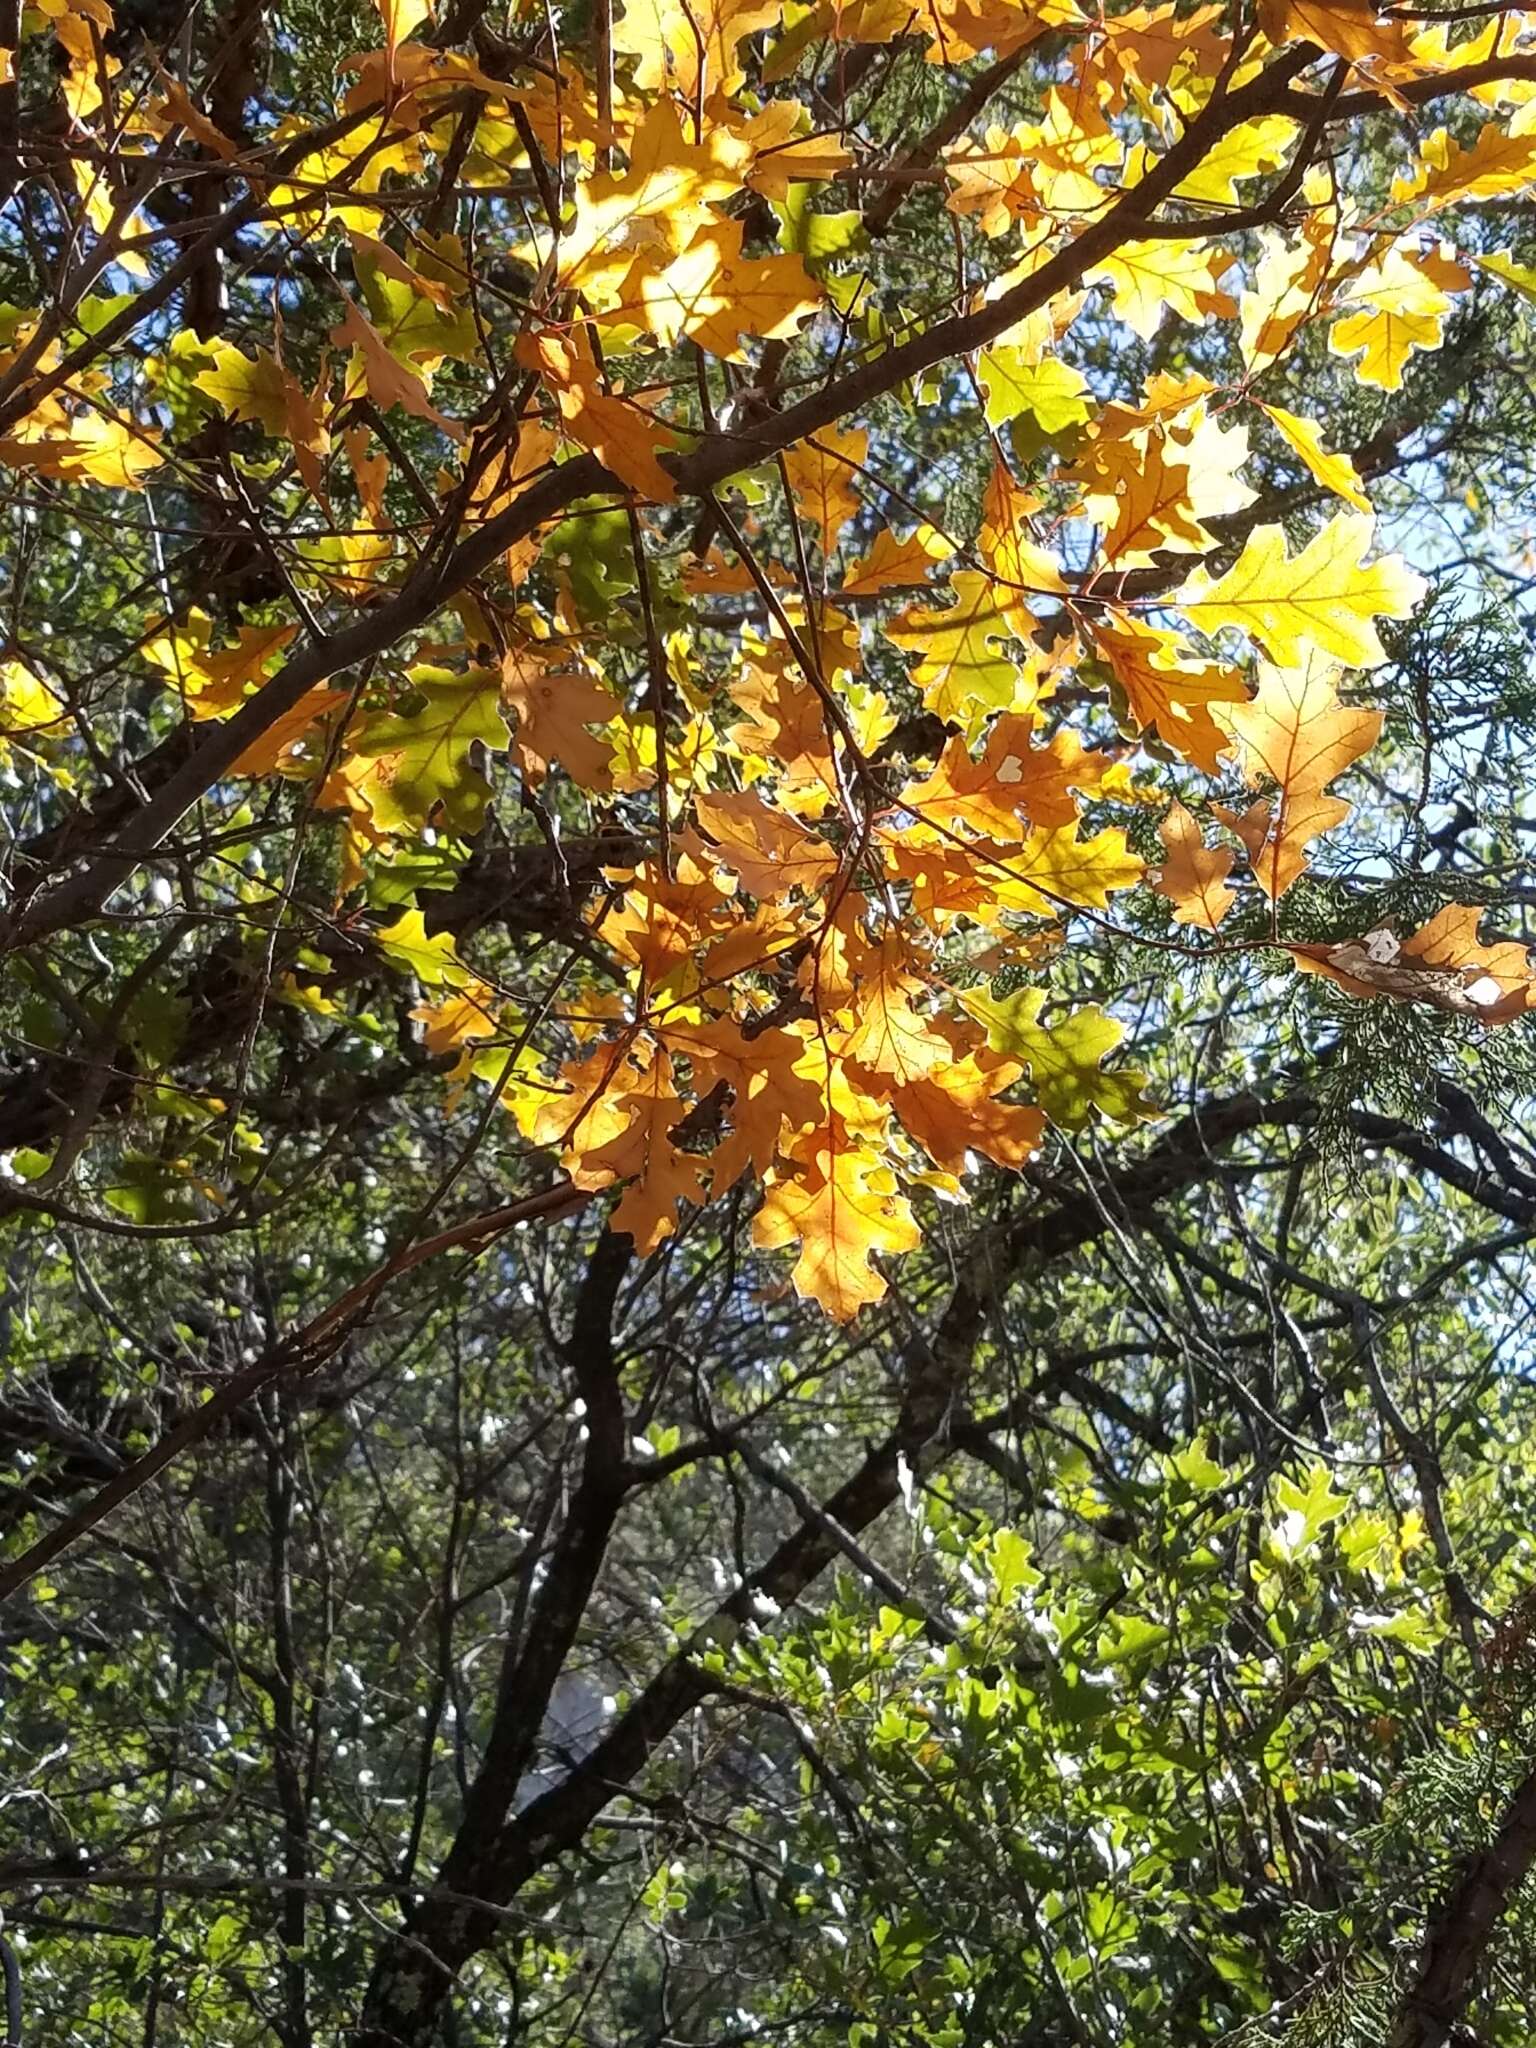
x=633, y=644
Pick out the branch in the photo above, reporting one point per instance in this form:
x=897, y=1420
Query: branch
x=1456, y=1939
x=303, y=1351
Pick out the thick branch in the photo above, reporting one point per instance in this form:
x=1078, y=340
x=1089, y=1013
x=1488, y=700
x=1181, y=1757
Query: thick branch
x=1458, y=1936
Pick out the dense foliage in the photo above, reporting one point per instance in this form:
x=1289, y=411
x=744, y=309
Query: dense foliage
x=765, y=1199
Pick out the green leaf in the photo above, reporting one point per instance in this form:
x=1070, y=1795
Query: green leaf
x=1197, y=1468
x=593, y=553
x=1051, y=392
x=1064, y=1059
x=412, y=324
x=423, y=759
x=1131, y=1637
x=434, y=961
x=1306, y=1510
x=225, y=1934
x=813, y=237
x=1011, y=1568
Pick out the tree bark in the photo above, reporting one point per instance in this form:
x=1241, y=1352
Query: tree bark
x=1457, y=1938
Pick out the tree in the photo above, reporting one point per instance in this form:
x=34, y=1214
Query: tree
x=603, y=744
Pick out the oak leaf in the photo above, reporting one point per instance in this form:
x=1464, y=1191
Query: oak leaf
x=842, y=1206
x=690, y=46
x=821, y=473
x=644, y=1154
x=1335, y=472
x=1193, y=876
x=956, y=1110
x=1324, y=599
x=431, y=957
x=1012, y=779
x=421, y=764
x=1149, y=279
x=1500, y=162
x=717, y=296
x=623, y=437
x=769, y=851
x=1297, y=734
x=1167, y=689
x=1398, y=306
x=1348, y=28
x=1064, y=1059
x=894, y=562
x=386, y=379
x=555, y=702
x=1443, y=965
x=960, y=669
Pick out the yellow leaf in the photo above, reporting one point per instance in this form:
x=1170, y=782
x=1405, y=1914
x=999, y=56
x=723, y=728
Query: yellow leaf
x=783, y=154
x=421, y=763
x=960, y=669
x=1141, y=495
x=1013, y=779
x=213, y=681
x=1244, y=152
x=654, y=207
x=1056, y=866
x=717, y=296
x=689, y=46
x=247, y=389
x=1148, y=279
x=770, y=852
x=433, y=959
x=1398, y=307
x=1335, y=472
x=993, y=180
x=894, y=562
x=887, y=1034
x=29, y=707
x=96, y=447
x=460, y=1019
x=955, y=1110
x=1010, y=550
x=388, y=381
x=1501, y=162
x=1287, y=282
x=1015, y=381
x=402, y=18
x=1324, y=598
x=643, y=1153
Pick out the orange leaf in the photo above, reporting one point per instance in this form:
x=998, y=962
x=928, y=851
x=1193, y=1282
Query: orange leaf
x=555, y=701
x=821, y=479
x=622, y=437
x=770, y=852
x=1443, y=965
x=1298, y=734
x=389, y=382
x=841, y=1204
x=1194, y=876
